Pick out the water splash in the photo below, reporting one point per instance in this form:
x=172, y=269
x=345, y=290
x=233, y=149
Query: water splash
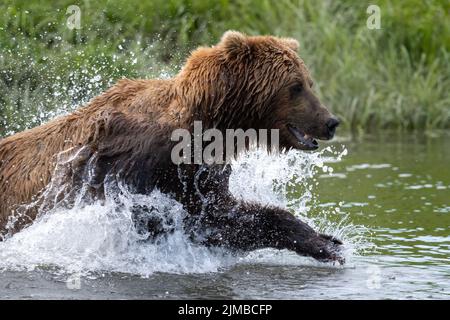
x=37, y=90
x=101, y=237
x=288, y=181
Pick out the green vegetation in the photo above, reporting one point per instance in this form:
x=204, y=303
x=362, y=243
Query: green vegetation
x=395, y=77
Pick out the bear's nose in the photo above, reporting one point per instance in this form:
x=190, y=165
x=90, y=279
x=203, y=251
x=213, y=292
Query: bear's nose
x=331, y=124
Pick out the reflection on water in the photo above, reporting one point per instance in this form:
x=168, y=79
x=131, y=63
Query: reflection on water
x=397, y=186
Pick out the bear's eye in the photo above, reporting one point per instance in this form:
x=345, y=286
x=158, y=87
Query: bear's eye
x=296, y=90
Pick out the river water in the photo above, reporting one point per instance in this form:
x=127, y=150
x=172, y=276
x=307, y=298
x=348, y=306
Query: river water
x=387, y=196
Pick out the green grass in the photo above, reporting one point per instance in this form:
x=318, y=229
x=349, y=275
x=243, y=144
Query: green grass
x=395, y=77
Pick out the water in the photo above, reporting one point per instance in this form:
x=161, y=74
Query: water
x=387, y=196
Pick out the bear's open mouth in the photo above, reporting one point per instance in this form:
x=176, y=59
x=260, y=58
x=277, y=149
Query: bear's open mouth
x=307, y=141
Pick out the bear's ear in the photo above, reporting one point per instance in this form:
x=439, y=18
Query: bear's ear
x=234, y=42
x=291, y=43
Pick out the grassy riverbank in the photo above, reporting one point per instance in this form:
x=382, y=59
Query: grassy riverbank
x=395, y=77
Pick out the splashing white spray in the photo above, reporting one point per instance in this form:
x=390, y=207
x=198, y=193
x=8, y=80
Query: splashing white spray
x=101, y=237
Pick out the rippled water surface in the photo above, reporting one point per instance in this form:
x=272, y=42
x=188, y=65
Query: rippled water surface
x=387, y=196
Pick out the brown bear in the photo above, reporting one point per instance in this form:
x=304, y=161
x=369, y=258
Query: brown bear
x=125, y=135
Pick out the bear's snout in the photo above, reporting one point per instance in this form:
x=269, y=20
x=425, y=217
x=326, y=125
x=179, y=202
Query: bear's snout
x=331, y=126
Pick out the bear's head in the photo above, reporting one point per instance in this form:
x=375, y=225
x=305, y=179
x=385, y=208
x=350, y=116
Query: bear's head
x=255, y=82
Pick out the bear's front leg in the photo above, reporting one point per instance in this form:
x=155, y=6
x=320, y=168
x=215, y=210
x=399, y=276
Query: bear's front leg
x=246, y=227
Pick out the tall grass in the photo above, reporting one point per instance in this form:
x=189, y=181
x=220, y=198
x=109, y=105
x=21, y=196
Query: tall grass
x=395, y=77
